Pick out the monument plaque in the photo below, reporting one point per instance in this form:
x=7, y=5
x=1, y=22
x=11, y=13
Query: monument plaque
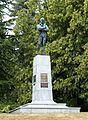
x=44, y=80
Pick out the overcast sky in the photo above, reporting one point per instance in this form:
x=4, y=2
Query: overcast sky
x=7, y=17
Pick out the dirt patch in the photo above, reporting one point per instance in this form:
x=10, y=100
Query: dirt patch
x=80, y=116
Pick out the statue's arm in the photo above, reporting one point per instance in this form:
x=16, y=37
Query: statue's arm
x=46, y=28
x=40, y=27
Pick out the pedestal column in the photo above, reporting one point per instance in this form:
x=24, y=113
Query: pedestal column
x=42, y=82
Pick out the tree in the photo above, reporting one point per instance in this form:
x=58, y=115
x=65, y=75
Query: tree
x=6, y=58
x=25, y=32
x=68, y=34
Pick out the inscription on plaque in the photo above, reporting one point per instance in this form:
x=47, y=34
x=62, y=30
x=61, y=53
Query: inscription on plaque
x=44, y=80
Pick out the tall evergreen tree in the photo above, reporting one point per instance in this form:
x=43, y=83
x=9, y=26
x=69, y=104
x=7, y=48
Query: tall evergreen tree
x=25, y=30
x=68, y=34
x=6, y=58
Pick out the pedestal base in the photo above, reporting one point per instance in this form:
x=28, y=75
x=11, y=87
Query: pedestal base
x=45, y=108
x=42, y=98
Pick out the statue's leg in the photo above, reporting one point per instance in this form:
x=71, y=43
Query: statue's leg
x=39, y=44
x=38, y=48
x=43, y=47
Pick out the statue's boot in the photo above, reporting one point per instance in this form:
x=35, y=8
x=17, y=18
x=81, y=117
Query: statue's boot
x=38, y=49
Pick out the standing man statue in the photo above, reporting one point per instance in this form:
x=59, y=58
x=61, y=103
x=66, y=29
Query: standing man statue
x=42, y=36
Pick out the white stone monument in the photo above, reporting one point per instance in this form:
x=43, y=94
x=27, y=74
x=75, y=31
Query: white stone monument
x=42, y=82
x=42, y=98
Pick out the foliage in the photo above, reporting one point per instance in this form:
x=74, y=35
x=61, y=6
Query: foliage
x=68, y=38
x=25, y=32
x=6, y=57
x=67, y=46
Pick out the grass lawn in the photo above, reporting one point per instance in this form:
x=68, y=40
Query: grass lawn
x=60, y=116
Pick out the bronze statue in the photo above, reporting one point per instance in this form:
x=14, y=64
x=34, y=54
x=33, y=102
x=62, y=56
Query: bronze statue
x=42, y=35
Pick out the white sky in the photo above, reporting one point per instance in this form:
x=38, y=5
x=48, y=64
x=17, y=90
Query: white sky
x=7, y=17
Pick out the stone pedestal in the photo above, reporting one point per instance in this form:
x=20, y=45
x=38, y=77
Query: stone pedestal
x=42, y=98
x=42, y=83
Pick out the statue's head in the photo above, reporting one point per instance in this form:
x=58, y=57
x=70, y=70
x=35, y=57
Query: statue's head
x=42, y=20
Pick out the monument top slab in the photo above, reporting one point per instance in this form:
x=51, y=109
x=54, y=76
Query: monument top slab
x=42, y=60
